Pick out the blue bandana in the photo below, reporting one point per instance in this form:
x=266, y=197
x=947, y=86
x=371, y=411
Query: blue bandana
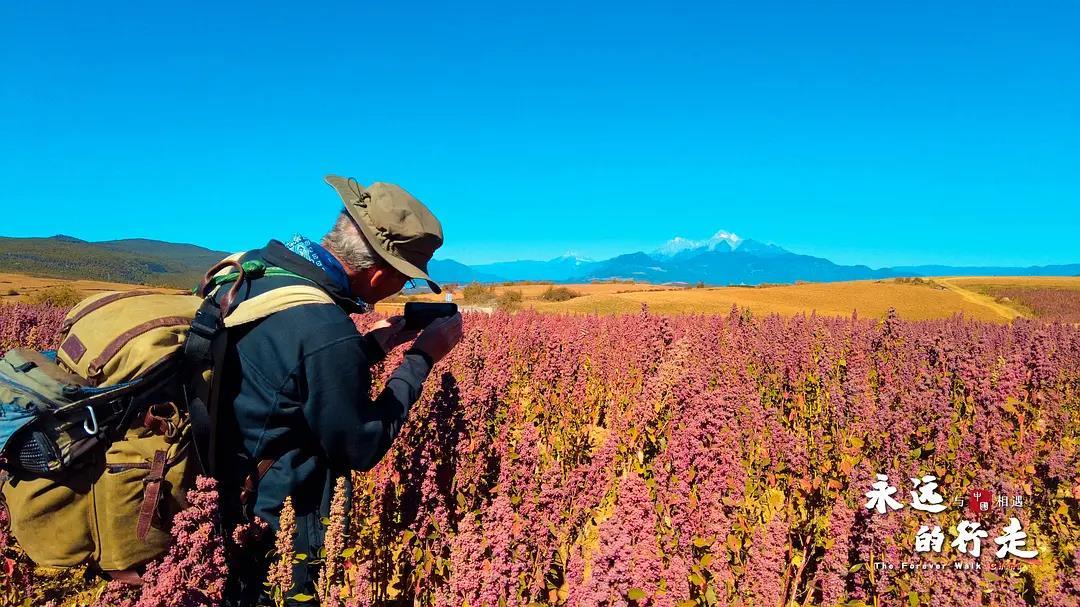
x=322, y=259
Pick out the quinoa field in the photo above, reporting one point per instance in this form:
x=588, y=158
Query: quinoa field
x=694, y=460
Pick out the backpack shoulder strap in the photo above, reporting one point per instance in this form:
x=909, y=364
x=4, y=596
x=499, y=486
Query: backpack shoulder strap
x=207, y=340
x=276, y=300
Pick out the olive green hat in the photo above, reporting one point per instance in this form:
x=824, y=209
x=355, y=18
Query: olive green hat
x=399, y=227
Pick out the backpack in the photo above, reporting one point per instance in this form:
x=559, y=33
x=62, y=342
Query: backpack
x=101, y=439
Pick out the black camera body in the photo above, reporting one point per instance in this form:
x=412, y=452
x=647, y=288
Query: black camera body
x=420, y=314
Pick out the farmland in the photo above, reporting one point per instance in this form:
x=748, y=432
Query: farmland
x=690, y=460
x=994, y=299
x=1046, y=297
x=26, y=288
x=918, y=299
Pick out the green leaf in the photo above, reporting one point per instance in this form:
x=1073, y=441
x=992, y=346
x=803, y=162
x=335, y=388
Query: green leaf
x=855, y=567
x=302, y=598
x=776, y=498
x=635, y=594
x=913, y=599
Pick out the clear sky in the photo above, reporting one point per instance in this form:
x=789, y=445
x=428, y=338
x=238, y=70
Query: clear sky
x=883, y=133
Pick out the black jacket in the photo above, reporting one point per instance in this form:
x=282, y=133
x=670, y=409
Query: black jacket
x=295, y=389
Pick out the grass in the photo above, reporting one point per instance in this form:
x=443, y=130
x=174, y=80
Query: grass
x=559, y=294
x=867, y=298
x=1047, y=298
x=29, y=289
x=476, y=293
x=997, y=299
x=925, y=282
x=1062, y=282
x=61, y=296
x=913, y=298
x=509, y=299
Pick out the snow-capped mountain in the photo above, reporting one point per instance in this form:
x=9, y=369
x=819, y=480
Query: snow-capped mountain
x=722, y=259
x=722, y=241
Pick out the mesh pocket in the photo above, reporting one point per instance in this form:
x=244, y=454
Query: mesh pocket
x=34, y=452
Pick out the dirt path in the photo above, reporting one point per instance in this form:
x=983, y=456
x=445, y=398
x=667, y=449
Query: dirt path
x=983, y=300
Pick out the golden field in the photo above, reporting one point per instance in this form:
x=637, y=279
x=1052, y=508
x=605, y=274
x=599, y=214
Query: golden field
x=1045, y=297
x=20, y=287
x=973, y=296
x=867, y=298
x=1053, y=282
x=920, y=299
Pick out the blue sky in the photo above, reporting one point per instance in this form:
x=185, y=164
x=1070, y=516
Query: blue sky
x=883, y=133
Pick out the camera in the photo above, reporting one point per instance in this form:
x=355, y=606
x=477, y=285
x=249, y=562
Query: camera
x=421, y=314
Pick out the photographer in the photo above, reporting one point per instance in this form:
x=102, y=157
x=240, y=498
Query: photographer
x=296, y=414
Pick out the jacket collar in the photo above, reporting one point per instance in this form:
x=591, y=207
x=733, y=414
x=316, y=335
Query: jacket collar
x=275, y=253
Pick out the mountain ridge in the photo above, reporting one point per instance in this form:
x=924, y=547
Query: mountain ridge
x=715, y=261
x=136, y=261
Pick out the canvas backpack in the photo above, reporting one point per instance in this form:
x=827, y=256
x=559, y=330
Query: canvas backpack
x=101, y=439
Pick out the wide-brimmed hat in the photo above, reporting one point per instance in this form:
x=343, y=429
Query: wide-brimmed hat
x=401, y=230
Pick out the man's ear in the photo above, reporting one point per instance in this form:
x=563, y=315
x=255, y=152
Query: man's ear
x=381, y=276
x=377, y=275
x=360, y=282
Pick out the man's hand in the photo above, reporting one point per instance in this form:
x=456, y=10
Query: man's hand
x=390, y=333
x=438, y=338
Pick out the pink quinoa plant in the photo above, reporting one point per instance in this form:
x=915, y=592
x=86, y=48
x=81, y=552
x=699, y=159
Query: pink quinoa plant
x=699, y=460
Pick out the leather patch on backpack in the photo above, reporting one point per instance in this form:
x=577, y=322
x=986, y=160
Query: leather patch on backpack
x=73, y=347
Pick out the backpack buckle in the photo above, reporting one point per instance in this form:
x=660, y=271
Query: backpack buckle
x=253, y=268
x=161, y=419
x=205, y=324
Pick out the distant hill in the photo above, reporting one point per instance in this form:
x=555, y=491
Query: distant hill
x=1070, y=269
x=448, y=270
x=755, y=266
x=724, y=259
x=562, y=268
x=137, y=261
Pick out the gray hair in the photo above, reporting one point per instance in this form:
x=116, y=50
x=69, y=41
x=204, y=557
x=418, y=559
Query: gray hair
x=349, y=245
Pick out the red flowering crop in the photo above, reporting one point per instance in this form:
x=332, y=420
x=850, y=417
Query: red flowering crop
x=713, y=460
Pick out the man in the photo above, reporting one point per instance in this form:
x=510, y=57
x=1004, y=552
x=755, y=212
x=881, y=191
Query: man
x=296, y=411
